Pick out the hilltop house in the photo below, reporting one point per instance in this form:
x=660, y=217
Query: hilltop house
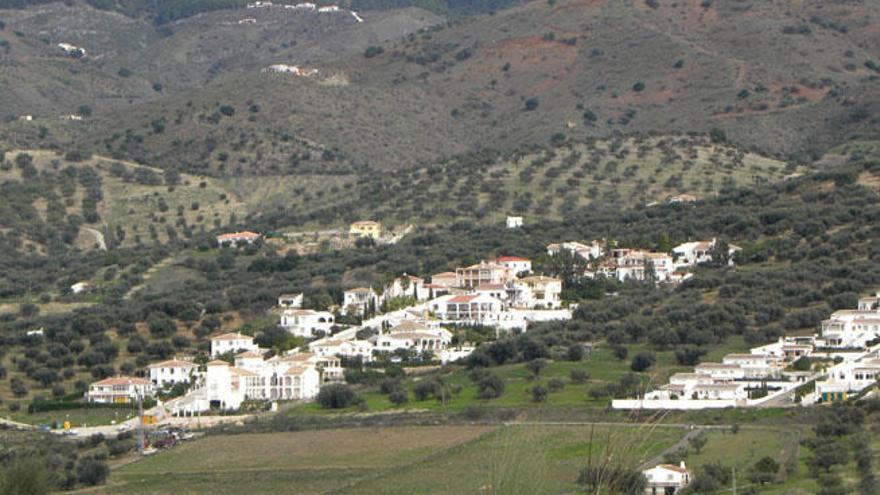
x=681, y=198
x=172, y=371
x=236, y=239
x=514, y=222
x=365, y=229
x=120, y=390
x=72, y=51
x=291, y=301
x=307, y=322
x=847, y=378
x=667, y=479
x=360, y=301
x=232, y=342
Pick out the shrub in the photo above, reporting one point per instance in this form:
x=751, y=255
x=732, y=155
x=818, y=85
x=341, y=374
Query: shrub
x=91, y=471
x=535, y=366
x=539, y=393
x=642, y=361
x=578, y=376
x=639, y=86
x=227, y=110
x=425, y=389
x=556, y=384
x=373, y=51
x=621, y=352
x=575, y=352
x=337, y=396
x=491, y=386
x=124, y=72
x=399, y=396
x=531, y=104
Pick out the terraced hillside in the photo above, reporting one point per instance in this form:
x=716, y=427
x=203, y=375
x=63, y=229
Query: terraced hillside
x=144, y=205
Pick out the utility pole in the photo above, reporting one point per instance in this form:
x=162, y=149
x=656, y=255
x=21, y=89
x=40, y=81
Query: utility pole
x=140, y=434
x=734, y=479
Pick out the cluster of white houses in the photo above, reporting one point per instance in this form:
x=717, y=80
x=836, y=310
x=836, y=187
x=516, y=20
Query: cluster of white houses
x=254, y=375
x=636, y=264
x=849, y=347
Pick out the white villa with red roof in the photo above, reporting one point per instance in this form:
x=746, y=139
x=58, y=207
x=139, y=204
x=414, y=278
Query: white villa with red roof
x=538, y=292
x=483, y=273
x=120, y=390
x=467, y=309
x=414, y=336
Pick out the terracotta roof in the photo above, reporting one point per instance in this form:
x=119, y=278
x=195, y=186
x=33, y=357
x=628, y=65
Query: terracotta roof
x=364, y=223
x=242, y=372
x=300, y=356
x=444, y=275
x=360, y=289
x=462, y=299
x=512, y=258
x=408, y=325
x=413, y=335
x=717, y=366
x=124, y=380
x=218, y=362
x=249, y=354
x=172, y=363
x=296, y=370
x=673, y=467
x=490, y=286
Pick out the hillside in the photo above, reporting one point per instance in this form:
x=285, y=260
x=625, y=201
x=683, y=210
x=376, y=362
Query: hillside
x=785, y=79
x=134, y=204
x=533, y=72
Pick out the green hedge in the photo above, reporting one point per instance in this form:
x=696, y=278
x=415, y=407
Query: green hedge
x=63, y=405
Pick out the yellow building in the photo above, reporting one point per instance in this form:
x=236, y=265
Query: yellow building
x=366, y=228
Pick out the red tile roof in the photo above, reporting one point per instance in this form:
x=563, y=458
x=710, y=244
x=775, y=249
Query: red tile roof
x=512, y=258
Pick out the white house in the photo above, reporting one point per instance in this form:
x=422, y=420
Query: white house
x=306, y=322
x=720, y=371
x=330, y=346
x=694, y=253
x=848, y=377
x=414, y=336
x=467, y=309
x=235, y=239
x=851, y=328
x=406, y=286
x=594, y=250
x=71, y=50
x=227, y=386
x=756, y=366
x=328, y=8
x=360, y=301
x=172, y=371
x=538, y=292
x=519, y=266
x=870, y=303
x=667, y=479
x=120, y=390
x=292, y=301
x=483, y=273
x=79, y=287
x=232, y=342
x=633, y=264
x=514, y=222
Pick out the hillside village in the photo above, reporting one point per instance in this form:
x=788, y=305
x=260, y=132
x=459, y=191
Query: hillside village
x=416, y=321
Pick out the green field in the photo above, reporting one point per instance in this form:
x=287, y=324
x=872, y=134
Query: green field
x=602, y=367
x=407, y=460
